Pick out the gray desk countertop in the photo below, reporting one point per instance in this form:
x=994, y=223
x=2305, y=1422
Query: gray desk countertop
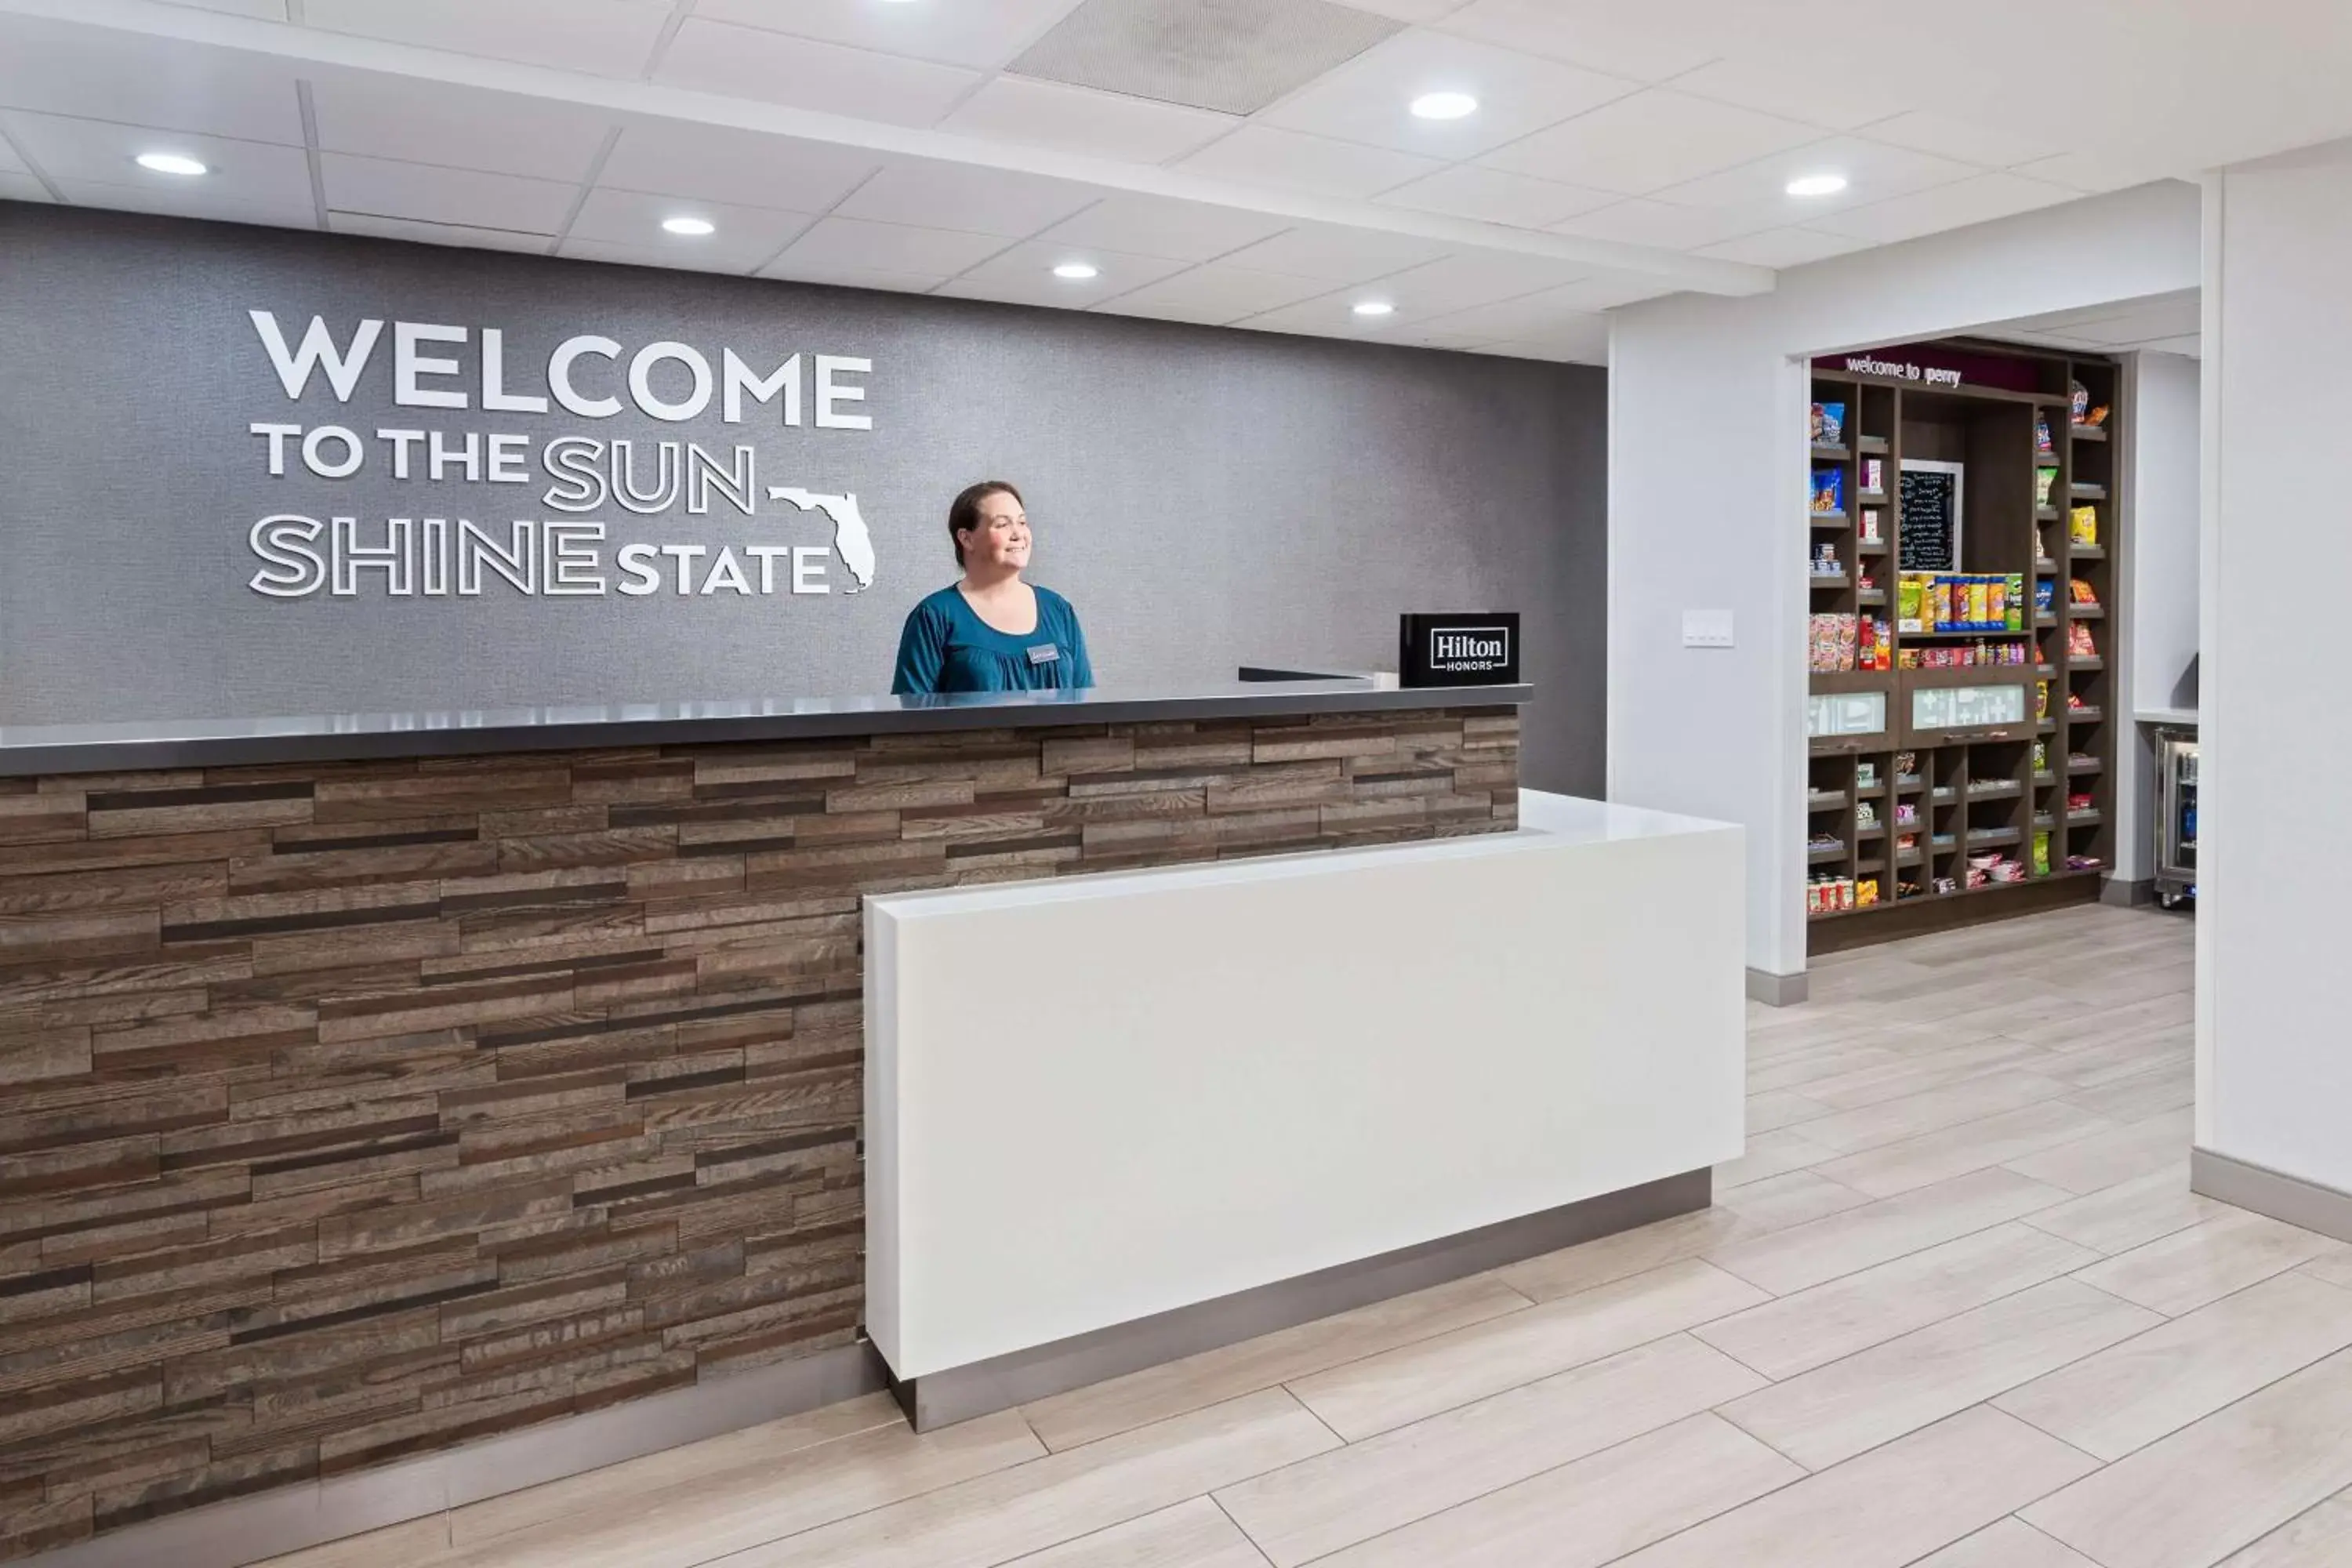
x=334, y=737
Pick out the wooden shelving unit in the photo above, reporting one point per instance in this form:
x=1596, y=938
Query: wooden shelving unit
x=1909, y=803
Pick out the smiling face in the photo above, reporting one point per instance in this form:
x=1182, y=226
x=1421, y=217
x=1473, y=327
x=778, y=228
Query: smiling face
x=998, y=544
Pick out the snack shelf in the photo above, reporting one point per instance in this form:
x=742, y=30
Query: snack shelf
x=2089, y=552
x=1825, y=800
x=1832, y=453
x=2088, y=432
x=1828, y=519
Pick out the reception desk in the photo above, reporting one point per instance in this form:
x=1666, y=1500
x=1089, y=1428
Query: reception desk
x=396, y=1109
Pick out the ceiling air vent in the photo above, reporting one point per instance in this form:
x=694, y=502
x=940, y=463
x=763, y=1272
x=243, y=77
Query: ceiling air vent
x=1234, y=56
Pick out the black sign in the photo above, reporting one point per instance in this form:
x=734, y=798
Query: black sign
x=1927, y=531
x=1459, y=650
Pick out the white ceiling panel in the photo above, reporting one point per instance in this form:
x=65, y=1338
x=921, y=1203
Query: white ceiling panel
x=2155, y=322
x=983, y=33
x=457, y=234
x=1793, y=92
x=1777, y=248
x=1490, y=196
x=1605, y=292
x=1459, y=282
x=1980, y=200
x=2092, y=171
x=978, y=201
x=432, y=123
x=1337, y=255
x=387, y=188
x=22, y=188
x=1582, y=341
x=1332, y=316
x=56, y=68
x=1215, y=294
x=1264, y=155
x=1527, y=317
x=1992, y=145
x=1643, y=143
x=714, y=164
x=1660, y=224
x=99, y=152
x=774, y=67
x=1437, y=335
x=745, y=237
x=843, y=242
x=1406, y=10
x=807, y=271
x=1367, y=99
x=2193, y=345
x=1155, y=226
x=1080, y=120
x=1757, y=193
x=673, y=258
x=266, y=10
x=9, y=162
x=604, y=38
x=220, y=206
x=1024, y=275
x=1624, y=40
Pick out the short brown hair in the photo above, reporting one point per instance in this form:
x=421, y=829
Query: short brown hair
x=963, y=513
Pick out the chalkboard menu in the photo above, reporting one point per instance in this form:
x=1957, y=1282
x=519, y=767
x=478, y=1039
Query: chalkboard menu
x=1927, y=537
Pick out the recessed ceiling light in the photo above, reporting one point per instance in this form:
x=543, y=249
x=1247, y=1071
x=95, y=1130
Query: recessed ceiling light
x=694, y=228
x=1374, y=308
x=1076, y=271
x=171, y=164
x=1444, y=105
x=1817, y=185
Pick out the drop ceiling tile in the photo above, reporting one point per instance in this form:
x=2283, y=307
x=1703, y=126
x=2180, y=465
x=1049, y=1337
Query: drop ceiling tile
x=1584, y=341
x=1757, y=194
x=1573, y=350
x=1654, y=139
x=841, y=242
x=2144, y=325
x=57, y=67
x=1367, y=99
x=1478, y=277
x=1606, y=292
x=1264, y=155
x=462, y=128
x=267, y=10
x=219, y=206
x=387, y=188
x=1993, y=146
x=1233, y=55
x=746, y=236
x=975, y=200
x=1024, y=275
x=1158, y=225
x=604, y=38
x=747, y=168
x=1080, y=120
x=1337, y=255
x=1837, y=103
x=801, y=73
x=675, y=260
x=808, y=271
x=22, y=188
x=470, y=237
x=1406, y=10
x=1215, y=294
x=2193, y=345
x=1490, y=196
x=1980, y=200
x=1529, y=317
x=984, y=33
x=9, y=162
x=1430, y=336
x=99, y=152
x=1659, y=224
x=1783, y=247
x=2091, y=171
x=1332, y=316
x=1613, y=38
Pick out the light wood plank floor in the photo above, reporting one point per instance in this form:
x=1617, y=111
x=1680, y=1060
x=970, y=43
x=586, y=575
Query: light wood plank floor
x=1957, y=1307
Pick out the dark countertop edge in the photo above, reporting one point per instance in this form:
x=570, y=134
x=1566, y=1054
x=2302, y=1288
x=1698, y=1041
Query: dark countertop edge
x=133, y=747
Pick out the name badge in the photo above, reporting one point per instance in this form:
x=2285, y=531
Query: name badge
x=1044, y=653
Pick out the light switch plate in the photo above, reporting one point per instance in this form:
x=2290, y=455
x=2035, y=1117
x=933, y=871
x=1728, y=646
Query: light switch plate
x=1707, y=628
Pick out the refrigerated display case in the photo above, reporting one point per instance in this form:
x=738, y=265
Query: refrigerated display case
x=2176, y=816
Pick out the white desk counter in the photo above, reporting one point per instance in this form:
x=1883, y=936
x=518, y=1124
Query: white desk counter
x=1115, y=1118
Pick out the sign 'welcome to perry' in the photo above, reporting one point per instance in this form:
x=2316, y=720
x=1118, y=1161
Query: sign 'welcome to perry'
x=614, y=500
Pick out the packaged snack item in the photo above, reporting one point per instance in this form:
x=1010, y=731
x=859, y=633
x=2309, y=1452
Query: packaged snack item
x=1939, y=604
x=1829, y=489
x=2095, y=418
x=1980, y=602
x=2045, y=595
x=1909, y=608
x=2081, y=402
x=2082, y=593
x=1869, y=526
x=1829, y=424
x=2042, y=700
x=2041, y=442
x=1848, y=637
x=2083, y=525
x=1865, y=775
x=2079, y=642
x=2041, y=544
x=1874, y=475
x=2045, y=479
x=2042, y=854
x=1865, y=814
x=1866, y=893
x=2012, y=613
x=2040, y=756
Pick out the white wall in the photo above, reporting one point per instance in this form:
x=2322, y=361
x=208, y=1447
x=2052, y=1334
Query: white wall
x=1706, y=483
x=2274, y=994
x=2158, y=630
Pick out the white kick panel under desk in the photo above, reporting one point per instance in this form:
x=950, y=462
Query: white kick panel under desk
x=1094, y=1099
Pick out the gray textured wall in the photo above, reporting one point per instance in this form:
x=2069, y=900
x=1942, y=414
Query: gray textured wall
x=1205, y=498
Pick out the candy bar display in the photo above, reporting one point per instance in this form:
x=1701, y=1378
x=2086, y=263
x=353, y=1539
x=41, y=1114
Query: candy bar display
x=1829, y=424
x=1962, y=656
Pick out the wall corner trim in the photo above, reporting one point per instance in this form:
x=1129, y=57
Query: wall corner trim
x=2310, y=1204
x=1779, y=990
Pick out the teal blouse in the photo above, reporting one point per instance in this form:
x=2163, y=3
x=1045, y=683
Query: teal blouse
x=945, y=646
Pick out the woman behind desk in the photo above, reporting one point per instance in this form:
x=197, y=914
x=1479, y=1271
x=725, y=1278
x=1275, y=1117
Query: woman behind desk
x=991, y=631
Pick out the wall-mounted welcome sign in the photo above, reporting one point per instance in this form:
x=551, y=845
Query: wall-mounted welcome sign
x=527, y=440
x=1934, y=366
